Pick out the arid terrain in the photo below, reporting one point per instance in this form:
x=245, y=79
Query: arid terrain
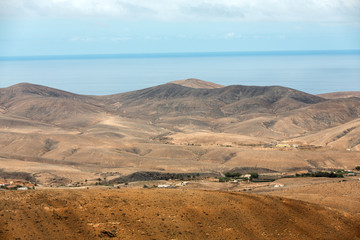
x=183, y=126
x=96, y=163
x=167, y=214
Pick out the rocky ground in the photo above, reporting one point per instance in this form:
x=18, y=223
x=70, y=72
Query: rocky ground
x=166, y=214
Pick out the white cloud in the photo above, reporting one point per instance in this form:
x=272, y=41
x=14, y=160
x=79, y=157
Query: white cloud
x=208, y=10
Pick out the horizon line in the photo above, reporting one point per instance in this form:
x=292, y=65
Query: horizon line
x=177, y=54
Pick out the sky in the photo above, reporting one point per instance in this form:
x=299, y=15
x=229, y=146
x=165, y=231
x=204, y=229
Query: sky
x=72, y=27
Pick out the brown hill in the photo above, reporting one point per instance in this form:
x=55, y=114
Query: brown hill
x=167, y=214
x=175, y=100
x=317, y=117
x=197, y=83
x=336, y=95
x=344, y=136
x=46, y=104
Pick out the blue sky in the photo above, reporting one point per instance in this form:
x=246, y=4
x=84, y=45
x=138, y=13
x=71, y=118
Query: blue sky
x=66, y=27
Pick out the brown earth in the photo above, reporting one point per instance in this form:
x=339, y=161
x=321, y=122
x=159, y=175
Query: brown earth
x=166, y=214
x=336, y=194
x=335, y=95
x=187, y=126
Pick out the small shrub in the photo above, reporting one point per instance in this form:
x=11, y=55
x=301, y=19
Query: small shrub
x=254, y=175
x=233, y=175
x=224, y=179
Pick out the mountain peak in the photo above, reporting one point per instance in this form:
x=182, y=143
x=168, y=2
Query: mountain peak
x=26, y=89
x=197, y=83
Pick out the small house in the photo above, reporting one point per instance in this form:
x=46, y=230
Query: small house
x=246, y=176
x=351, y=174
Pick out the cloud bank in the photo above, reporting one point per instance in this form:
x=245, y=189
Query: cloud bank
x=187, y=10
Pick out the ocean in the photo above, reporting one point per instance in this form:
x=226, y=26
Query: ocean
x=312, y=71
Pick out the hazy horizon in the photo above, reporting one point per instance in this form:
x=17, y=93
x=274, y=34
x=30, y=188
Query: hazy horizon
x=180, y=54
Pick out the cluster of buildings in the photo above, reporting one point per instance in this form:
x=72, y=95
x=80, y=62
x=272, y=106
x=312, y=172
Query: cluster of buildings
x=172, y=185
x=16, y=184
x=286, y=145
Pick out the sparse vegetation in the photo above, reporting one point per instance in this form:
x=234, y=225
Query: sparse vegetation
x=50, y=145
x=233, y=175
x=254, y=175
x=148, y=176
x=237, y=175
x=224, y=179
x=337, y=174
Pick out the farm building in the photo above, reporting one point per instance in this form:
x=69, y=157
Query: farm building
x=246, y=176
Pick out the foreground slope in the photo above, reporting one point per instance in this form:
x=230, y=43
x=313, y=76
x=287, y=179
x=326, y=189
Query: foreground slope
x=341, y=195
x=167, y=214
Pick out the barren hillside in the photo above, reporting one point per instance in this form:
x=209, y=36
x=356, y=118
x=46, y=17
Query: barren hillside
x=197, y=83
x=336, y=95
x=186, y=126
x=167, y=214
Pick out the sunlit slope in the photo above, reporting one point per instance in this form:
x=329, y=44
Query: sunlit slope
x=167, y=214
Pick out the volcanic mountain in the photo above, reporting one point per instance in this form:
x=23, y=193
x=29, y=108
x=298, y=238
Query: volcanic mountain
x=182, y=126
x=177, y=100
x=46, y=104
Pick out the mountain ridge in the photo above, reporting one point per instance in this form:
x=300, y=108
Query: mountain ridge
x=197, y=83
x=174, y=128
x=256, y=111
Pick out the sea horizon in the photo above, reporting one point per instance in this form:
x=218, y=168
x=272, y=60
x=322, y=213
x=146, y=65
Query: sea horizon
x=314, y=72
x=179, y=54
